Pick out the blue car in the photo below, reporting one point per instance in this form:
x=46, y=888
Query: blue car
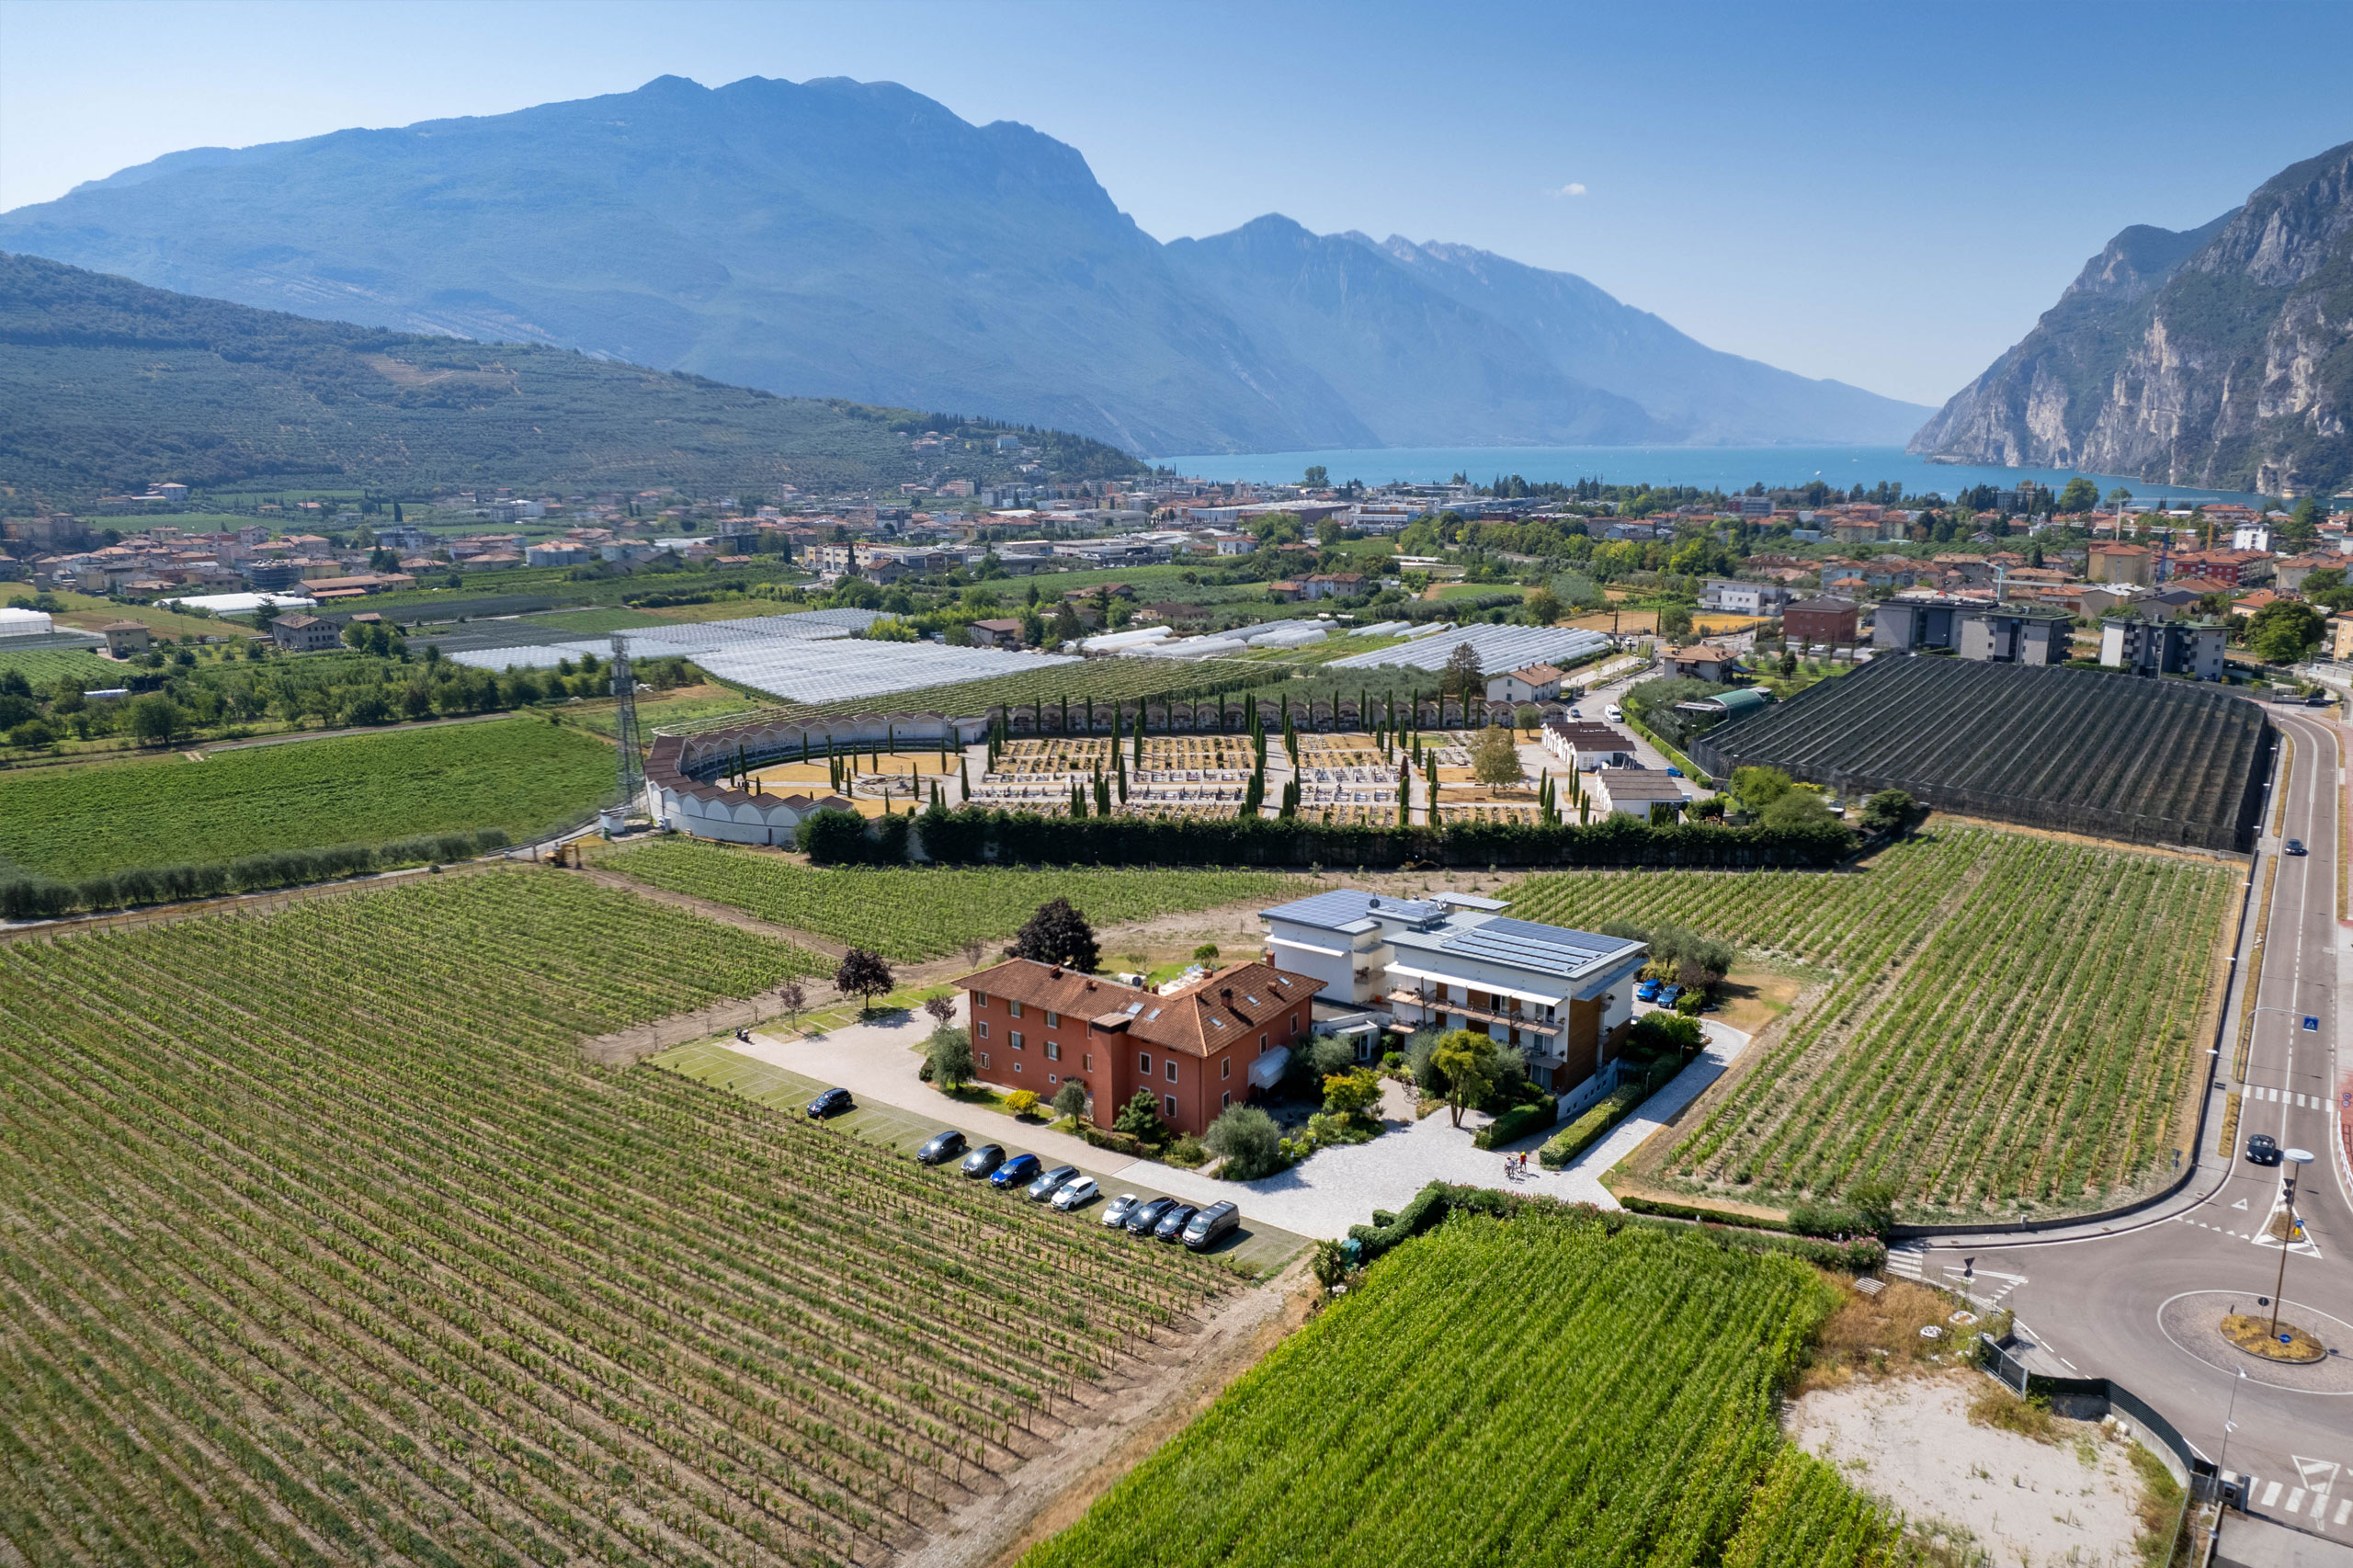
x=1675, y=773
x=1018, y=1171
x=1647, y=991
x=1667, y=997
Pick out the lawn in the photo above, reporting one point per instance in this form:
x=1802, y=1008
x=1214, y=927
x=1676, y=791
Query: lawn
x=914, y=913
x=2012, y=1025
x=522, y=775
x=326, y=1246
x=1532, y=1390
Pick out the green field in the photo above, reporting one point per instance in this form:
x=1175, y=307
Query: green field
x=1498, y=1391
x=917, y=912
x=2011, y=1026
x=43, y=667
x=522, y=775
x=326, y=1246
x=595, y=622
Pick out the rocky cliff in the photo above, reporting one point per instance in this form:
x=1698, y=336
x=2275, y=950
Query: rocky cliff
x=2220, y=356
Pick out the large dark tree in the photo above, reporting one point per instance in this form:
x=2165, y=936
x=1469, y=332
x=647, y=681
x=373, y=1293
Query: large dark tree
x=1060, y=935
x=864, y=975
x=1461, y=677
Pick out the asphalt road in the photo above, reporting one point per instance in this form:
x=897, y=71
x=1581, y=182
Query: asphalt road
x=2113, y=1301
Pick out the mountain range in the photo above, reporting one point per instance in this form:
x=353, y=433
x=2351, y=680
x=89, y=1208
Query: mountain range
x=2217, y=356
x=854, y=240
x=111, y=385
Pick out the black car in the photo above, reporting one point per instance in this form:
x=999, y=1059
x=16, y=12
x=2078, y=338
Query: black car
x=1172, y=1224
x=1144, y=1216
x=945, y=1145
x=828, y=1103
x=985, y=1159
x=2263, y=1149
x=1018, y=1171
x=2293, y=847
x=1204, y=1229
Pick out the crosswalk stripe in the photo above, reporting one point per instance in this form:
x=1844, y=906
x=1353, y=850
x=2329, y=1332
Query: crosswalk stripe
x=2270, y=1495
x=2343, y=1510
x=2296, y=1501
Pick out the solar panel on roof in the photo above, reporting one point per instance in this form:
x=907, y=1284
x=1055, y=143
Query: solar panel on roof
x=1531, y=946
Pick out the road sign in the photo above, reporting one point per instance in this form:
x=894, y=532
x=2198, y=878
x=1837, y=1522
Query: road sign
x=2311, y=1025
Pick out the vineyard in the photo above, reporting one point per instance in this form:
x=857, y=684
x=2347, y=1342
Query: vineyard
x=325, y=1247
x=920, y=913
x=43, y=667
x=2010, y=1024
x=1523, y=1390
x=522, y=775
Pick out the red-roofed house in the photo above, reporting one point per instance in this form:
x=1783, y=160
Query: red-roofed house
x=1037, y=1027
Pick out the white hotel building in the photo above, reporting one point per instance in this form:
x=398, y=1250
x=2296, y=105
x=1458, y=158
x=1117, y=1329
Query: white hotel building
x=1452, y=962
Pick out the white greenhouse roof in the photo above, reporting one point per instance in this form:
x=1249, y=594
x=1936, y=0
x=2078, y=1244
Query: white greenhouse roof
x=1499, y=648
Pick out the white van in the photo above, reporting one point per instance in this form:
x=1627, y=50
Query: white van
x=1613, y=713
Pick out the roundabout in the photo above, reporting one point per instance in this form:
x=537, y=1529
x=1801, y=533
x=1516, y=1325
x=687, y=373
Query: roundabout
x=2216, y=1327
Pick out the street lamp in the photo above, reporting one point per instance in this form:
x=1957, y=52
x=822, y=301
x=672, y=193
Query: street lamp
x=2294, y=1158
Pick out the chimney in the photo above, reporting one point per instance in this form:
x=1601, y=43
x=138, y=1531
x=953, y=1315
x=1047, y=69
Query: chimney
x=1055, y=973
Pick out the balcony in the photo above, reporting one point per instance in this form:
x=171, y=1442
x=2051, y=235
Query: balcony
x=1517, y=1016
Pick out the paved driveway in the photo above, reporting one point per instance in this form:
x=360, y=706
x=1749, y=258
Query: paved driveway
x=1321, y=1197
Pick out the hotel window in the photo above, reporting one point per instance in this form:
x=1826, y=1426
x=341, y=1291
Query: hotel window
x=1172, y=1068
x=984, y=1057
x=1225, y=1099
x=1014, y=1008
x=1262, y=1045
x=1016, y=1039
x=1170, y=1101
x=1053, y=1050
x=1053, y=1020
x=1225, y=1066
x=985, y=1031
x=1143, y=1063
x=1087, y=1061
x=980, y=999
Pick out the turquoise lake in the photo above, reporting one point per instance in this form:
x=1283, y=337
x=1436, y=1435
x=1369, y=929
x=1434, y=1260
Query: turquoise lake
x=1727, y=468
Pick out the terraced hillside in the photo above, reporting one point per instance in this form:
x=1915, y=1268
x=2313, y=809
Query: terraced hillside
x=2079, y=751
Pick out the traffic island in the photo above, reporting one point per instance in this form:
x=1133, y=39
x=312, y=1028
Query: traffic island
x=2286, y=1343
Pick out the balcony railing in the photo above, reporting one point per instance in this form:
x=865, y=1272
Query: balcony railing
x=1431, y=1002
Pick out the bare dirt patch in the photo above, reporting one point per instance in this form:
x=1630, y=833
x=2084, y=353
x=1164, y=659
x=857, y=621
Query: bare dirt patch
x=1123, y=1427
x=1993, y=1494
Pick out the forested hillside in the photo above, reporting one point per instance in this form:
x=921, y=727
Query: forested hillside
x=111, y=384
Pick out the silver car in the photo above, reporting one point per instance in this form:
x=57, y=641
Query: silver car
x=1116, y=1213
x=1048, y=1181
x=1077, y=1194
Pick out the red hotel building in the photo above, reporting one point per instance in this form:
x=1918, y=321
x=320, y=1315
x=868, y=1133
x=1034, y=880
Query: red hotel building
x=1037, y=1027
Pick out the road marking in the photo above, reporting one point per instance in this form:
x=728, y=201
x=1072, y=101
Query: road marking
x=1906, y=1260
x=2270, y=1495
x=2240, y=1204
x=2343, y=1510
x=2318, y=1474
x=2295, y=1503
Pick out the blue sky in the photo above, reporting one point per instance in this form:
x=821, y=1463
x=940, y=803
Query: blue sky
x=1888, y=194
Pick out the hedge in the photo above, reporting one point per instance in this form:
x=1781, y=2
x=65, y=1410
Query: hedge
x=1672, y=1211
x=1515, y=1124
x=1586, y=1130
x=1433, y=1203
x=973, y=835
x=45, y=898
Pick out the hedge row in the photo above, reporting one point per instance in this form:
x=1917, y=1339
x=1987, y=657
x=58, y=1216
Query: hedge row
x=42, y=898
x=1433, y=1203
x=1586, y=1130
x=974, y=836
x=1515, y=1124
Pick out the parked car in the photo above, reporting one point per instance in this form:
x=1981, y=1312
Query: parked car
x=2263, y=1149
x=1018, y=1171
x=828, y=1103
x=1171, y=1225
x=944, y=1146
x=1675, y=773
x=1077, y=1194
x=1115, y=1212
x=1576, y=713
x=1613, y=714
x=1204, y=1229
x=2293, y=847
x=1145, y=1215
x=1046, y=1184
x=1647, y=991
x=1668, y=994
x=985, y=1159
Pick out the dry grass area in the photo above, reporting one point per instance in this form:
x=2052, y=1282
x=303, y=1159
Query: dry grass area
x=1872, y=1337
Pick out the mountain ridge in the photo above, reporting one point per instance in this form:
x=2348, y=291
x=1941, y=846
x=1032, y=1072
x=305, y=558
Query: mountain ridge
x=860, y=240
x=2216, y=355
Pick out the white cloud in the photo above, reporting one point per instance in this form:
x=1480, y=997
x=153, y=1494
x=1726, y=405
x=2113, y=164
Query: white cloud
x=1572, y=188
